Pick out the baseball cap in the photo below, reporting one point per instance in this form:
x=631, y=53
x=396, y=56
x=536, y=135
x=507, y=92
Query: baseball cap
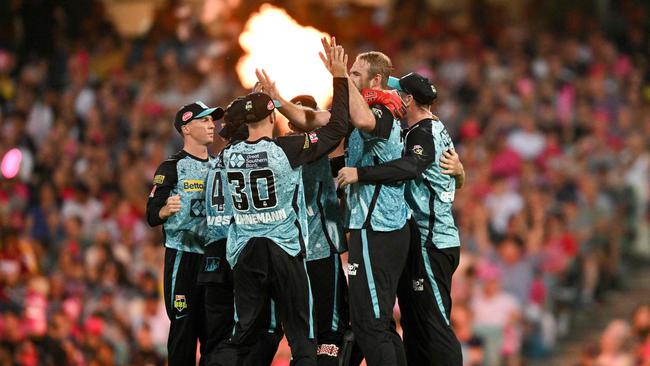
x=416, y=85
x=193, y=111
x=305, y=100
x=250, y=108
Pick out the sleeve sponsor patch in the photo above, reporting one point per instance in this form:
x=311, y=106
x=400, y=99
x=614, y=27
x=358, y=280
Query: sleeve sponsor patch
x=313, y=137
x=418, y=150
x=306, y=145
x=377, y=112
x=158, y=179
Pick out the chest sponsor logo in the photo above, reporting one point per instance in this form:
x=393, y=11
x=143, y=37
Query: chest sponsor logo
x=352, y=269
x=197, y=207
x=191, y=185
x=250, y=161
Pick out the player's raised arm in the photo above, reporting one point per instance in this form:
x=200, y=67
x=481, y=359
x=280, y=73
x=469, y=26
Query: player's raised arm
x=361, y=116
x=308, y=147
x=304, y=118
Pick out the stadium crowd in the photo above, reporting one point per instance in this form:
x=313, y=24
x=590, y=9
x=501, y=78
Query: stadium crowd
x=551, y=121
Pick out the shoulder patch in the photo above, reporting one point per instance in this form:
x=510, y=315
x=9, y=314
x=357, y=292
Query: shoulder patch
x=158, y=179
x=418, y=150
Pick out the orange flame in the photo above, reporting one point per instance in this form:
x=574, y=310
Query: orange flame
x=288, y=51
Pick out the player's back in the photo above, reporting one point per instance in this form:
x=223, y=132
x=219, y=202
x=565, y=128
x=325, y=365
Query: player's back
x=324, y=214
x=218, y=205
x=267, y=197
x=431, y=195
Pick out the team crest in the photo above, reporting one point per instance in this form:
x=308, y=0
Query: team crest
x=249, y=106
x=158, y=179
x=418, y=150
x=179, y=303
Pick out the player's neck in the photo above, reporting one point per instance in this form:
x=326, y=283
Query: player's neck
x=417, y=116
x=257, y=132
x=195, y=149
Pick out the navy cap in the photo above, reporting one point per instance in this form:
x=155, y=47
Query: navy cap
x=250, y=108
x=193, y=111
x=416, y=85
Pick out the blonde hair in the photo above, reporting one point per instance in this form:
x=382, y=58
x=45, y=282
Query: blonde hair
x=379, y=64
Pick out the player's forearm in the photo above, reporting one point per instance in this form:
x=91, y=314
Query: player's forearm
x=305, y=119
x=362, y=117
x=155, y=212
x=332, y=134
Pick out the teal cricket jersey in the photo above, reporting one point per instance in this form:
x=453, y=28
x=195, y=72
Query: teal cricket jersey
x=185, y=175
x=431, y=195
x=217, y=204
x=380, y=207
x=324, y=214
x=264, y=181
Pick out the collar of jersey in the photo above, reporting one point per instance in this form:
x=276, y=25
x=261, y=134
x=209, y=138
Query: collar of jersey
x=258, y=140
x=195, y=157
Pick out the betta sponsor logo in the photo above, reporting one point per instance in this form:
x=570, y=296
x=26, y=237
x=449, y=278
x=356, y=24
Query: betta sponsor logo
x=313, y=137
x=193, y=185
x=270, y=105
x=186, y=116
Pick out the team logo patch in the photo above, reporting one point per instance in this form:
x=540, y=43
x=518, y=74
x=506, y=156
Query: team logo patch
x=313, y=137
x=211, y=264
x=197, y=207
x=179, y=303
x=186, y=116
x=191, y=185
x=418, y=150
x=331, y=350
x=352, y=269
x=418, y=285
x=158, y=179
x=237, y=161
x=249, y=106
x=270, y=105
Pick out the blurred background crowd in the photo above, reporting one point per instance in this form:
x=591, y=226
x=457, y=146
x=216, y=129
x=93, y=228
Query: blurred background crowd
x=548, y=104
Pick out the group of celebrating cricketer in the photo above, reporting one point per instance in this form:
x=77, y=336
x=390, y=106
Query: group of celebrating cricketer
x=254, y=235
